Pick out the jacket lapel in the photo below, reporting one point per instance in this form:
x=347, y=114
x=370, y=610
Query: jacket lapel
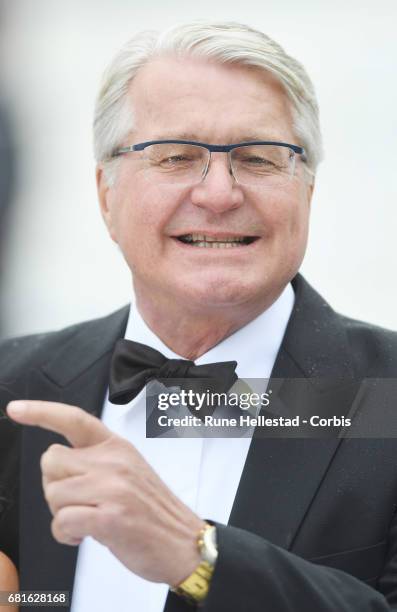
x=78, y=375
x=281, y=476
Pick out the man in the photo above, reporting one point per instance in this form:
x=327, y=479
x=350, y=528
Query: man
x=207, y=143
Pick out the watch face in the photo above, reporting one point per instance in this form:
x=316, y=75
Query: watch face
x=208, y=549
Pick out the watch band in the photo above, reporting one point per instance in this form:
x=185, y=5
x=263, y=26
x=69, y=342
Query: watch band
x=196, y=586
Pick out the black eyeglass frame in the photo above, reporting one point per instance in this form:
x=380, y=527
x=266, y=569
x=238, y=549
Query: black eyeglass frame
x=210, y=147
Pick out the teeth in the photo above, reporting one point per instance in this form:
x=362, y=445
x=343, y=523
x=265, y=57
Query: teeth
x=216, y=245
x=198, y=238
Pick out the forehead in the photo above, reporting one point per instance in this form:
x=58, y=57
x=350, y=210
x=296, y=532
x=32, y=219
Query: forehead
x=197, y=97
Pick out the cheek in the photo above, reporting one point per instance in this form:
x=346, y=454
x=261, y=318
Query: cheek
x=291, y=213
x=140, y=217
x=131, y=210
x=146, y=205
x=281, y=221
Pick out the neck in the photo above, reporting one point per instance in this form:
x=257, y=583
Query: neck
x=191, y=332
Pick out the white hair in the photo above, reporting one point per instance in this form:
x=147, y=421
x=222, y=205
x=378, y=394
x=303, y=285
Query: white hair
x=223, y=42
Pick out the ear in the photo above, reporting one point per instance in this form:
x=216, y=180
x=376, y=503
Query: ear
x=105, y=196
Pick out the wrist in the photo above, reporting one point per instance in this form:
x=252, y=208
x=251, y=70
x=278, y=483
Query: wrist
x=185, y=553
x=195, y=586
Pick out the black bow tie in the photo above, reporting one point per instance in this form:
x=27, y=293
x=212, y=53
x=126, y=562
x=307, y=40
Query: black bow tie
x=134, y=364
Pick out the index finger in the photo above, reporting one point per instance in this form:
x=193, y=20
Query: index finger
x=77, y=426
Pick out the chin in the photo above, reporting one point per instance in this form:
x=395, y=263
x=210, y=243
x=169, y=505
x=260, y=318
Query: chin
x=221, y=293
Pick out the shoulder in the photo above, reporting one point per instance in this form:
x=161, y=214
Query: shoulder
x=326, y=343
x=33, y=349
x=21, y=352
x=373, y=348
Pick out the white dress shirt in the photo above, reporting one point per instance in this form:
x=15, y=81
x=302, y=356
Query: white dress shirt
x=203, y=473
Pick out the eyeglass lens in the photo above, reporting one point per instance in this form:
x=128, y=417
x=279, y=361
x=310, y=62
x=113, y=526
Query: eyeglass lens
x=187, y=164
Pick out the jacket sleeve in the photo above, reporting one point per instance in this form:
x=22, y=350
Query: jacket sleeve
x=9, y=481
x=252, y=575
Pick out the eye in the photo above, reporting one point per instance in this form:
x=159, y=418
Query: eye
x=174, y=160
x=258, y=161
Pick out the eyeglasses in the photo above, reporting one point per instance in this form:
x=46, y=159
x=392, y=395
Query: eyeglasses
x=185, y=162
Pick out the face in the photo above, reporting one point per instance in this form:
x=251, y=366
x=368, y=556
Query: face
x=199, y=100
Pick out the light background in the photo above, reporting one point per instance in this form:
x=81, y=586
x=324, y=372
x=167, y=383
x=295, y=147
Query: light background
x=61, y=267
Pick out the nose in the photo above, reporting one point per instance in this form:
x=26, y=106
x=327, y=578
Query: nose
x=218, y=191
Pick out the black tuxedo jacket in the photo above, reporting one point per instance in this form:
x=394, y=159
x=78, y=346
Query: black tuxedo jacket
x=314, y=523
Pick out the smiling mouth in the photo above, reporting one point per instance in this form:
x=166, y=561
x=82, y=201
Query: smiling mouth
x=204, y=241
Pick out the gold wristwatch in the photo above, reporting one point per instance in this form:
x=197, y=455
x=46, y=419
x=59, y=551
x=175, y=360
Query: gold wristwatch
x=195, y=587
